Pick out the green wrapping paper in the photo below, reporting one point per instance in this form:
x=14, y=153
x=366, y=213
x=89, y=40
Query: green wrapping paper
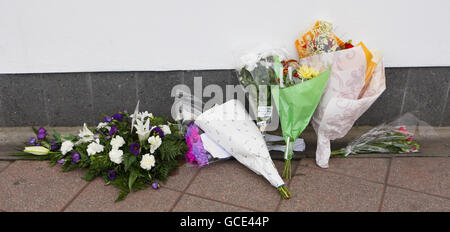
x=296, y=105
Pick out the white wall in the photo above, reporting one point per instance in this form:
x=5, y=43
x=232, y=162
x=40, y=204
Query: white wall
x=106, y=35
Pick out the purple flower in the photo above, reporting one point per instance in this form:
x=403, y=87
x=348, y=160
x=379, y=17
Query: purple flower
x=158, y=130
x=96, y=136
x=107, y=119
x=32, y=140
x=125, y=111
x=113, y=131
x=134, y=148
x=111, y=175
x=75, y=157
x=37, y=144
x=42, y=133
x=54, y=147
x=155, y=185
x=61, y=161
x=118, y=117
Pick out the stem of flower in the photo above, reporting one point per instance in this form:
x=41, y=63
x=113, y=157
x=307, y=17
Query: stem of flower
x=287, y=169
x=284, y=191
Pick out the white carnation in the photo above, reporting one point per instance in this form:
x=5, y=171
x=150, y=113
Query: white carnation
x=147, y=162
x=165, y=129
x=155, y=142
x=117, y=142
x=94, y=148
x=115, y=155
x=66, y=146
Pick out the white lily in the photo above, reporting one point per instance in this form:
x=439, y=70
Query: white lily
x=142, y=129
x=85, y=135
x=36, y=150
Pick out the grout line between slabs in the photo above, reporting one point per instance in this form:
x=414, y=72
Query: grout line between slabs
x=416, y=191
x=343, y=174
x=75, y=196
x=222, y=202
x=380, y=206
x=184, y=190
x=7, y=166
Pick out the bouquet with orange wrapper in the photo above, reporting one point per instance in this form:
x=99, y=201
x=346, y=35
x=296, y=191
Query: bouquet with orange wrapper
x=357, y=79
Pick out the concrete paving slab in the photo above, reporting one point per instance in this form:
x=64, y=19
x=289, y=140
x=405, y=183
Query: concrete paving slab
x=367, y=168
x=4, y=164
x=316, y=190
x=232, y=182
x=35, y=186
x=428, y=175
x=401, y=200
x=98, y=197
x=189, y=203
x=181, y=177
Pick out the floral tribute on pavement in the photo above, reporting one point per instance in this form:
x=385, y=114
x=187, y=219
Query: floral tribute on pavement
x=130, y=152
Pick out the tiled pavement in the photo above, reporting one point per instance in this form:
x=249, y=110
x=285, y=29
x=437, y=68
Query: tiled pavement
x=351, y=184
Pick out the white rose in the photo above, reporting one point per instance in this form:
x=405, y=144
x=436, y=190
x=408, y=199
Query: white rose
x=165, y=129
x=115, y=156
x=94, y=148
x=117, y=142
x=155, y=142
x=147, y=162
x=66, y=146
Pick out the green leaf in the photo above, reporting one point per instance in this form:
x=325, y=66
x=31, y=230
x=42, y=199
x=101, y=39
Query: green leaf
x=129, y=161
x=132, y=179
x=89, y=176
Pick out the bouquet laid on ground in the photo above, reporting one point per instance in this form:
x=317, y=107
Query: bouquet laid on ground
x=398, y=136
x=382, y=139
x=222, y=132
x=126, y=158
x=231, y=127
x=202, y=149
x=296, y=97
x=256, y=75
x=357, y=79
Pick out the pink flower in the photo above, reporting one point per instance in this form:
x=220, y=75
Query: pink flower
x=402, y=129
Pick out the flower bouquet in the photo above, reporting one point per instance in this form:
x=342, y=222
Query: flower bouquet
x=399, y=136
x=127, y=160
x=381, y=139
x=256, y=75
x=230, y=126
x=296, y=98
x=319, y=39
x=357, y=79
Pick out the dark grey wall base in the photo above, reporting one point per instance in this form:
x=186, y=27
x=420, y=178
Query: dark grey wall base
x=69, y=99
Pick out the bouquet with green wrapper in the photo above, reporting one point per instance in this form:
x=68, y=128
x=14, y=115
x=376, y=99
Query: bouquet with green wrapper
x=296, y=97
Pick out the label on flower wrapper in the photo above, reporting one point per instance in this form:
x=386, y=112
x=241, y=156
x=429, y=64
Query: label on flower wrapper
x=264, y=111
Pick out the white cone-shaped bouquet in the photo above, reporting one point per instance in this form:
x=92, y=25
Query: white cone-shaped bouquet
x=230, y=126
x=349, y=93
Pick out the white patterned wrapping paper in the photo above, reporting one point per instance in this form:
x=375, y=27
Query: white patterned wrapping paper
x=340, y=107
x=231, y=127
